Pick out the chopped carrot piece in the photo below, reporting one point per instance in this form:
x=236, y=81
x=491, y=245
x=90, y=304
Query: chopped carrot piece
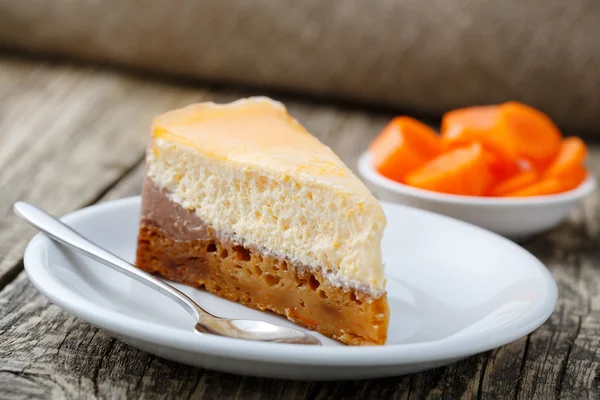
x=461, y=171
x=572, y=153
x=500, y=168
x=541, y=188
x=552, y=184
x=537, y=136
x=404, y=145
x=515, y=183
x=465, y=126
x=574, y=177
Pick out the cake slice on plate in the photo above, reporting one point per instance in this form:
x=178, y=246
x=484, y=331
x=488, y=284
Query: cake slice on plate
x=241, y=200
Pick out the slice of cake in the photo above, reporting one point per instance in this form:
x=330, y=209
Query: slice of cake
x=241, y=200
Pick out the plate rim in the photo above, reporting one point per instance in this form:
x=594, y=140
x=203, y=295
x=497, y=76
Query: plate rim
x=398, y=354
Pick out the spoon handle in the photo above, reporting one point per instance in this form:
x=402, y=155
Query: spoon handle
x=67, y=236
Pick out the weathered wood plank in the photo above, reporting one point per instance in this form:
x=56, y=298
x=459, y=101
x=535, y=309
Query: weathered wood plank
x=122, y=371
x=581, y=372
x=87, y=362
x=65, y=135
x=46, y=352
x=73, y=359
x=581, y=379
x=571, y=253
x=502, y=371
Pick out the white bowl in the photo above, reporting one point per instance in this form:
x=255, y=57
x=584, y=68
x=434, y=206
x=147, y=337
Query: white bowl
x=515, y=218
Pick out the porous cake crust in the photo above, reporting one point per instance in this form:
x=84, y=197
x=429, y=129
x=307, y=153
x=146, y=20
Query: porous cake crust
x=245, y=275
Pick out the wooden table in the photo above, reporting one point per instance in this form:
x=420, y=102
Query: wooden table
x=71, y=136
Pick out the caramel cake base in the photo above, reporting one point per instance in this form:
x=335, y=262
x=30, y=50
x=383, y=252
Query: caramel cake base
x=242, y=274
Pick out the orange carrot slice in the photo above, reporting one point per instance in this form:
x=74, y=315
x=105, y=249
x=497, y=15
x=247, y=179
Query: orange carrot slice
x=422, y=137
x=553, y=184
x=574, y=177
x=541, y=188
x=502, y=169
x=461, y=171
x=402, y=146
x=519, y=181
x=537, y=136
x=465, y=126
x=572, y=153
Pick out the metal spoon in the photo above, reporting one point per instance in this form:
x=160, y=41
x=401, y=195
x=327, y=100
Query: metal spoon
x=206, y=322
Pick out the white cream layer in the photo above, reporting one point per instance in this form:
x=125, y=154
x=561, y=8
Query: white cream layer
x=317, y=214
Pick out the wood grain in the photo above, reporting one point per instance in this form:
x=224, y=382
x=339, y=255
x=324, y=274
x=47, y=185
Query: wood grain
x=94, y=154
x=65, y=136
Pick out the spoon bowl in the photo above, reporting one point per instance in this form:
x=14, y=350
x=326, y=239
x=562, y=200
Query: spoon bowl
x=257, y=330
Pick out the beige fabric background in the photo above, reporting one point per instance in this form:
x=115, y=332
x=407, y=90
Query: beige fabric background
x=417, y=55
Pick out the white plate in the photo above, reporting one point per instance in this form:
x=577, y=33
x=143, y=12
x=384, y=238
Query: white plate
x=454, y=290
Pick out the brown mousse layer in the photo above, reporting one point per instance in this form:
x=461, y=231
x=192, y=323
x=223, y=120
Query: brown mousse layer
x=176, y=244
